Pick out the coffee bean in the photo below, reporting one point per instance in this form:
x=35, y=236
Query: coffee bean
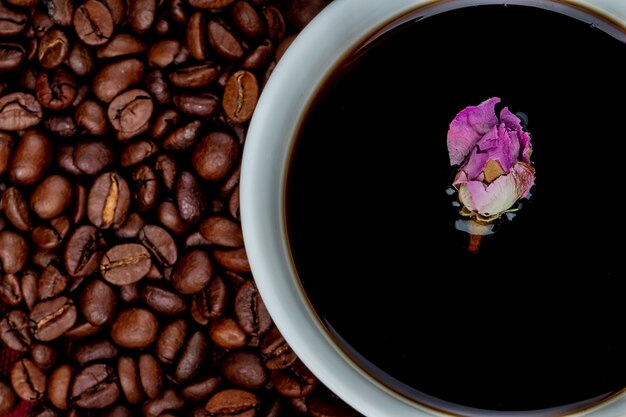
x=56, y=90
x=295, y=382
x=137, y=151
x=169, y=400
x=240, y=96
x=81, y=59
x=196, y=76
x=45, y=356
x=54, y=48
x=197, y=106
x=140, y=15
x=44, y=411
x=91, y=116
x=150, y=375
x=251, y=313
x=163, y=301
x=60, y=11
x=119, y=410
x=327, y=404
x=7, y=399
x=65, y=159
x=129, y=293
x=276, y=25
x=13, y=252
x=52, y=318
x=116, y=77
x=51, y=282
x=210, y=4
x=224, y=41
x=19, y=111
x=171, y=341
x=10, y=290
x=234, y=260
x=301, y=12
x=157, y=86
x=12, y=22
x=200, y=389
x=233, y=204
x=6, y=148
x=28, y=381
x=95, y=350
x=128, y=373
x=59, y=386
x=126, y=263
x=259, y=57
x=163, y=52
x=91, y=157
x=215, y=155
x=192, y=272
x=98, y=303
x=93, y=23
x=222, y=231
x=190, y=197
x=83, y=251
x=117, y=9
x=244, y=369
x=95, y=387
x=247, y=19
x=16, y=210
x=195, y=36
x=108, y=201
x=15, y=331
x=120, y=45
x=82, y=330
x=276, y=352
x=12, y=56
x=79, y=211
x=169, y=217
x=51, y=197
x=233, y=402
x=226, y=333
x=135, y=328
x=192, y=357
x=59, y=125
x=211, y=302
x=130, y=112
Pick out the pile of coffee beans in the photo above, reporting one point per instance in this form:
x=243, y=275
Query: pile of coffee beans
x=124, y=281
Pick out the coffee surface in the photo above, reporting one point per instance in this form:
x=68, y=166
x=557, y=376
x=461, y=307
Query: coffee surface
x=532, y=321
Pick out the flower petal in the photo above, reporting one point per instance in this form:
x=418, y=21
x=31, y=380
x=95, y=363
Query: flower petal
x=513, y=123
x=471, y=124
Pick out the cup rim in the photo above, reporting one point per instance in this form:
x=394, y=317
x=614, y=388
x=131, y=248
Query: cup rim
x=322, y=45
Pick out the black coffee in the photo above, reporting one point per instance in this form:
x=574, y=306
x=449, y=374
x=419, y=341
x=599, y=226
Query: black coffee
x=533, y=320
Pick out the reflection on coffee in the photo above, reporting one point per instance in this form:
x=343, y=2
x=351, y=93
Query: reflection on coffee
x=532, y=320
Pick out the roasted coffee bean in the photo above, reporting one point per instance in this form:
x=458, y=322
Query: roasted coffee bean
x=108, y=201
x=16, y=210
x=192, y=357
x=247, y=19
x=126, y=263
x=116, y=77
x=234, y=260
x=240, y=96
x=120, y=45
x=150, y=375
x=226, y=333
x=59, y=386
x=137, y=151
x=51, y=197
x=163, y=301
x=92, y=157
x=169, y=217
x=295, y=382
x=59, y=125
x=93, y=23
x=12, y=21
x=233, y=204
x=210, y=4
x=276, y=352
x=60, y=11
x=222, y=231
x=276, y=25
x=91, y=116
x=130, y=229
x=19, y=111
x=163, y=52
x=28, y=381
x=52, y=318
x=54, y=48
x=51, y=282
x=135, y=328
x=224, y=41
x=130, y=112
x=82, y=330
x=146, y=186
x=195, y=36
x=129, y=293
x=56, y=90
x=157, y=86
x=141, y=15
x=192, y=272
x=6, y=148
x=95, y=350
x=244, y=369
x=13, y=252
x=215, y=155
x=301, y=12
x=83, y=251
x=31, y=158
x=183, y=137
x=169, y=400
x=211, y=302
x=28, y=289
x=98, y=303
x=196, y=76
x=15, y=331
x=128, y=374
x=259, y=57
x=12, y=56
x=65, y=159
x=44, y=355
x=44, y=411
x=94, y=387
x=233, y=402
x=171, y=340
x=7, y=399
x=200, y=389
x=163, y=124
x=327, y=404
x=253, y=317
x=196, y=239
x=117, y=9
x=190, y=197
x=197, y=106
x=10, y=290
x=81, y=59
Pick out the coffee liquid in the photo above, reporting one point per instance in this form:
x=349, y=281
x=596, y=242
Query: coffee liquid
x=534, y=321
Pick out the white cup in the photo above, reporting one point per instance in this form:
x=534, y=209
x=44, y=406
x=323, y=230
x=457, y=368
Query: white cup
x=323, y=43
